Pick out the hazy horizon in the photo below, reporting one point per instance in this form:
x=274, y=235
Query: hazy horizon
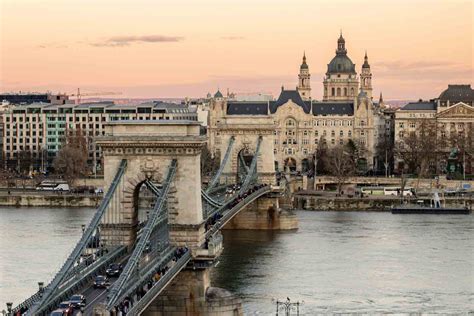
x=147, y=49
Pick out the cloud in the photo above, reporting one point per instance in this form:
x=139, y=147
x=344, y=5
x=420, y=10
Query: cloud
x=232, y=38
x=118, y=41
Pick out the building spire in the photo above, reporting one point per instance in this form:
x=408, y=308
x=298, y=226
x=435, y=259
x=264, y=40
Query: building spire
x=381, y=98
x=341, y=46
x=366, y=61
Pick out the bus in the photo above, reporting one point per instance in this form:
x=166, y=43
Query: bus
x=52, y=185
x=407, y=191
x=394, y=191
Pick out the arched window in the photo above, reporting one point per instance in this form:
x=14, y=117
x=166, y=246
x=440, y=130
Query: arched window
x=338, y=92
x=333, y=133
x=352, y=91
x=333, y=91
x=290, y=122
x=345, y=92
x=341, y=133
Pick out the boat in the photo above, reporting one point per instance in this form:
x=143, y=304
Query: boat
x=434, y=208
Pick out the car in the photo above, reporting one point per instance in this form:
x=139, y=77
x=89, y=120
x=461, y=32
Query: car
x=101, y=281
x=147, y=247
x=66, y=307
x=113, y=270
x=57, y=312
x=77, y=301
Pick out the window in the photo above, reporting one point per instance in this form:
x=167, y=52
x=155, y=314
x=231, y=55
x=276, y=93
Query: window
x=341, y=133
x=333, y=133
x=315, y=141
x=305, y=151
x=305, y=133
x=349, y=133
x=401, y=125
x=338, y=92
x=333, y=91
x=345, y=91
x=290, y=122
x=412, y=125
x=316, y=133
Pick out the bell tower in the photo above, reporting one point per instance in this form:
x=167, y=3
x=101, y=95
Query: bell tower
x=366, y=78
x=304, y=85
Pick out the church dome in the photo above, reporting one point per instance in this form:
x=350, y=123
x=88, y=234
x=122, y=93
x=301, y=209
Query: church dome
x=341, y=64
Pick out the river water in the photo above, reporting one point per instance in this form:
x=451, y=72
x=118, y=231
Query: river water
x=336, y=262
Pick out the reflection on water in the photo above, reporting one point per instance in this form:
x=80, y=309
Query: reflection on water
x=354, y=262
x=336, y=261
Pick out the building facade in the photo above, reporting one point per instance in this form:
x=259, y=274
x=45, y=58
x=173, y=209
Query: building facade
x=450, y=120
x=302, y=124
x=40, y=129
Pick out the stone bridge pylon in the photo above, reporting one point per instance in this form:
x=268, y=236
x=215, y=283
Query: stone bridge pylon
x=149, y=148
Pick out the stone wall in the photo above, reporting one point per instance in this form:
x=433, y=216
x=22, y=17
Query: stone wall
x=359, y=204
x=26, y=200
x=264, y=214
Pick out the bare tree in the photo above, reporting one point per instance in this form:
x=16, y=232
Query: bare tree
x=24, y=161
x=71, y=160
x=209, y=164
x=418, y=149
x=341, y=164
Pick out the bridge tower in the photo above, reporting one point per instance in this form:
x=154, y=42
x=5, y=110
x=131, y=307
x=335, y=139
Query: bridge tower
x=149, y=148
x=246, y=132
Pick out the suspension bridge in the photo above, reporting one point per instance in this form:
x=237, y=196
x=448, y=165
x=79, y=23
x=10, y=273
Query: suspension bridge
x=180, y=234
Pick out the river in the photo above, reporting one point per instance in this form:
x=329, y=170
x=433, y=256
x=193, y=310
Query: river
x=336, y=262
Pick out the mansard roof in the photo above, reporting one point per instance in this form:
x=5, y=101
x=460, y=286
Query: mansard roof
x=247, y=108
x=292, y=95
x=420, y=106
x=333, y=108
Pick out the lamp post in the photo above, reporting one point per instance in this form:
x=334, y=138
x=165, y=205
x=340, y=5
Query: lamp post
x=83, y=228
x=9, y=308
x=288, y=306
x=41, y=288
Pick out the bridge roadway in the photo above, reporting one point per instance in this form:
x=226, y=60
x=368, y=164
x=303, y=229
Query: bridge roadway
x=232, y=205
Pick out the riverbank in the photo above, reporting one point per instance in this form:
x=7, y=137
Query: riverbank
x=374, y=204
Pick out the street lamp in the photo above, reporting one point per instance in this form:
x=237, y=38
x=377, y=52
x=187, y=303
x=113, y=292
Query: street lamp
x=9, y=308
x=41, y=288
x=288, y=306
x=83, y=228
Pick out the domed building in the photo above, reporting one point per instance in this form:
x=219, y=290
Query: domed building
x=303, y=124
x=341, y=82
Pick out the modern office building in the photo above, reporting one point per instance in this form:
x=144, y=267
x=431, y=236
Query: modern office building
x=40, y=129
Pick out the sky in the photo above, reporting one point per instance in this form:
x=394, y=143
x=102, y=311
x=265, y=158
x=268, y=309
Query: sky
x=178, y=48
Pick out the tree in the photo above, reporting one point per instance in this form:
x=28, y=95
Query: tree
x=209, y=164
x=71, y=160
x=24, y=161
x=341, y=164
x=419, y=149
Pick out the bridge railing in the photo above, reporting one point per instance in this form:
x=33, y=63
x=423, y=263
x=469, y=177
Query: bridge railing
x=156, y=289
x=98, y=267
x=73, y=257
x=227, y=215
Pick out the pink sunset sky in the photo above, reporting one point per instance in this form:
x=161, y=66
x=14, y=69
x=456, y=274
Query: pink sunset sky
x=161, y=48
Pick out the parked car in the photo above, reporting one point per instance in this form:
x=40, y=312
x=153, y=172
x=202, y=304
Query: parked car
x=78, y=300
x=113, y=270
x=101, y=281
x=57, y=312
x=66, y=307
